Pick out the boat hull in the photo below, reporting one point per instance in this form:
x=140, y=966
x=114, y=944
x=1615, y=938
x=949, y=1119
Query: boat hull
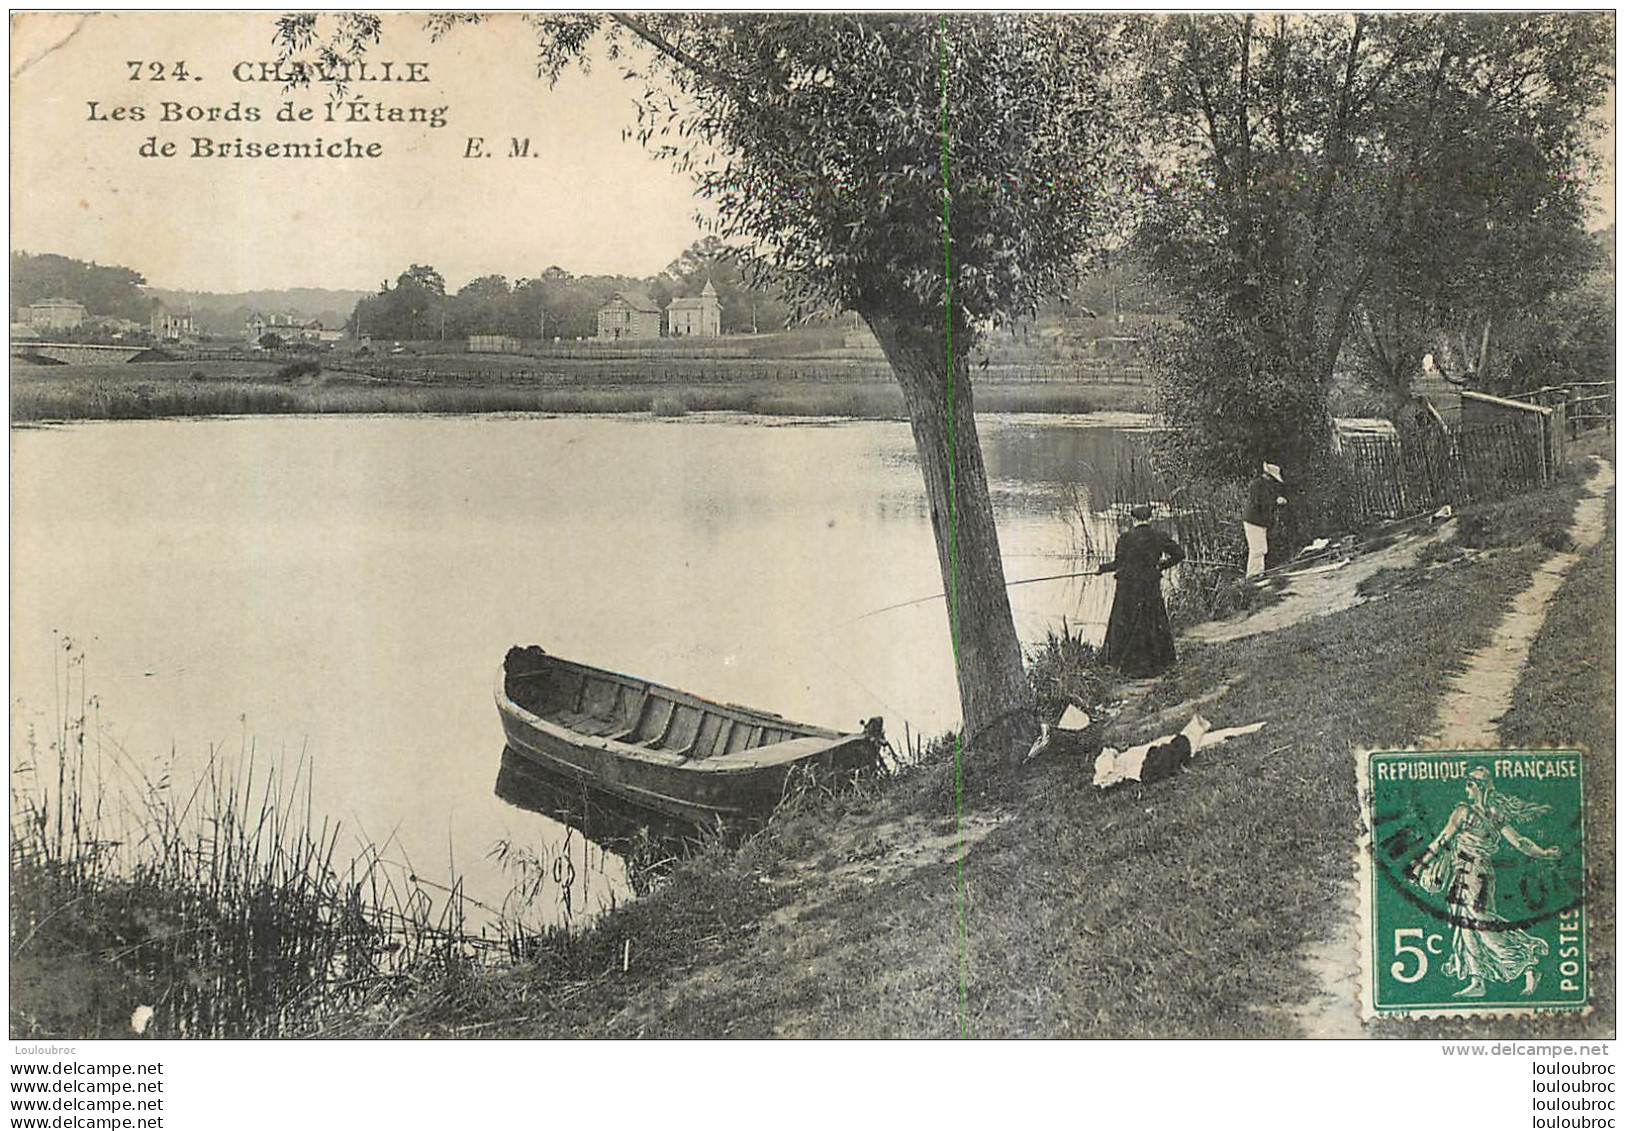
x=730, y=785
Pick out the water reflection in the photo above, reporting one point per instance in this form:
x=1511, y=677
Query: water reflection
x=1038, y=455
x=599, y=862
x=637, y=835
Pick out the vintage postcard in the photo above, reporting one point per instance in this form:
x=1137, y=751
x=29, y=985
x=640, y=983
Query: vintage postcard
x=703, y=525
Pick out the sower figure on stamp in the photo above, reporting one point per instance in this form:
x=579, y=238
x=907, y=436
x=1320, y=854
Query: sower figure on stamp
x=1483, y=945
x=1139, y=640
x=1263, y=497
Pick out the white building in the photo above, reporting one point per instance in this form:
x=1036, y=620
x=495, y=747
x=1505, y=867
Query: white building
x=288, y=327
x=54, y=313
x=696, y=317
x=172, y=327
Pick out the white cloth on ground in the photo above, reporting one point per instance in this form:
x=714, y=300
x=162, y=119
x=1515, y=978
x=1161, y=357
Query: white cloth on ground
x=1073, y=719
x=1114, y=767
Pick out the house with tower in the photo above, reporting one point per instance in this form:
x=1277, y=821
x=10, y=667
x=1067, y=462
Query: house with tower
x=699, y=316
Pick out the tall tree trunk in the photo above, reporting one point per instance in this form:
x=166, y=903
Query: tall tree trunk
x=994, y=695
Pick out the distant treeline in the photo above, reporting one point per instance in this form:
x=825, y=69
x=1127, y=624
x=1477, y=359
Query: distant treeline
x=122, y=292
x=556, y=303
x=111, y=291
x=418, y=306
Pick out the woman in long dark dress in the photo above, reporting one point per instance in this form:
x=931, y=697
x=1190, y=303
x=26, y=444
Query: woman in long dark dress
x=1139, y=640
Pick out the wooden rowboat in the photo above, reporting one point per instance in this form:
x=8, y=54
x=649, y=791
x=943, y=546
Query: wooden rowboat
x=661, y=748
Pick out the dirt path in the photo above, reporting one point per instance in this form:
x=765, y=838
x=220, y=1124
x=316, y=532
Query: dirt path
x=1319, y=590
x=1479, y=695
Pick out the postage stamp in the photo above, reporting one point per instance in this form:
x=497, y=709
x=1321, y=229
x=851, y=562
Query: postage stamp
x=1472, y=882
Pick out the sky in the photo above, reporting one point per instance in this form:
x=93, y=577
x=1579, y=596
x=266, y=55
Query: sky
x=585, y=199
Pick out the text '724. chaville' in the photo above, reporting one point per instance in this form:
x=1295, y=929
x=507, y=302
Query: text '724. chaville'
x=287, y=73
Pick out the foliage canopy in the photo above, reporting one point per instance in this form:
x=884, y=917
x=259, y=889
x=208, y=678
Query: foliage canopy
x=1398, y=175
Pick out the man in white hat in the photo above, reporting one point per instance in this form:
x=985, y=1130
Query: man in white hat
x=1263, y=497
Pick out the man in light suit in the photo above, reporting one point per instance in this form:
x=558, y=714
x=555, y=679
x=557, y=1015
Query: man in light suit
x=1263, y=497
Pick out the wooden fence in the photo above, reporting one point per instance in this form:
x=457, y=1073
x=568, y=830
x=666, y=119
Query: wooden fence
x=1384, y=477
x=1588, y=404
x=1377, y=478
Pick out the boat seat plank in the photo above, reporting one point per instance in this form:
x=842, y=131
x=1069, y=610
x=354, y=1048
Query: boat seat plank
x=634, y=702
x=564, y=688
x=586, y=724
x=601, y=698
x=629, y=705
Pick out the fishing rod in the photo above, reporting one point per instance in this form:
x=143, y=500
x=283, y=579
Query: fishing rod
x=1032, y=581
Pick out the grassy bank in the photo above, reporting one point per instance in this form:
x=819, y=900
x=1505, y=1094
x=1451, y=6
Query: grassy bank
x=1179, y=908
x=140, y=392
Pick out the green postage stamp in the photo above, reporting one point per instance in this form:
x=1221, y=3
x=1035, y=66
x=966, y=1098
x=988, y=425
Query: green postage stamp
x=1472, y=882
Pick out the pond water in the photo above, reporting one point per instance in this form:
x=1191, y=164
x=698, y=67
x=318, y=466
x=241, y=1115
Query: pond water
x=343, y=588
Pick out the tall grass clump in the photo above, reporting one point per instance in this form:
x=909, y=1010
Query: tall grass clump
x=222, y=906
x=669, y=405
x=146, y=400
x=294, y=370
x=1066, y=670
x=1204, y=519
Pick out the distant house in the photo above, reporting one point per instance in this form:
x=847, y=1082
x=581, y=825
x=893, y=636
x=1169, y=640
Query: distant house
x=172, y=327
x=118, y=328
x=630, y=314
x=492, y=343
x=54, y=314
x=699, y=316
x=289, y=327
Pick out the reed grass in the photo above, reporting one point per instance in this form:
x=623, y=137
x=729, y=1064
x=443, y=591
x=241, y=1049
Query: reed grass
x=148, y=392
x=223, y=903
x=1064, y=670
x=1204, y=518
